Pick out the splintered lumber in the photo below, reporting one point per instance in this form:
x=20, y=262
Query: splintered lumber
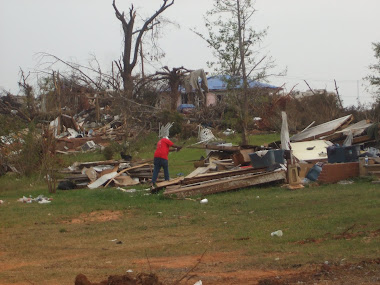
x=217, y=147
x=225, y=184
x=125, y=170
x=125, y=181
x=170, y=182
x=100, y=181
x=220, y=175
x=95, y=163
x=200, y=170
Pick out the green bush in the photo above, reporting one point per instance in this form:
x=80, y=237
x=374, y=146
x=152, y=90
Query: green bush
x=108, y=152
x=28, y=158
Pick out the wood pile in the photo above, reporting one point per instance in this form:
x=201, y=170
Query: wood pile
x=113, y=172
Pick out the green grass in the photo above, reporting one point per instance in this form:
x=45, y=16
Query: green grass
x=239, y=222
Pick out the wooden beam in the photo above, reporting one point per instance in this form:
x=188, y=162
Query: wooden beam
x=226, y=184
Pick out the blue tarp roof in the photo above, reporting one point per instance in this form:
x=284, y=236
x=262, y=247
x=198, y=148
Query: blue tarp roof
x=218, y=82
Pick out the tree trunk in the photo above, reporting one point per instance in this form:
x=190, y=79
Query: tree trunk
x=244, y=111
x=174, y=95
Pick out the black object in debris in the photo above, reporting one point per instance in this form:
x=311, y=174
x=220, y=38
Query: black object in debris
x=341, y=154
x=367, y=154
x=119, y=242
x=116, y=124
x=126, y=157
x=66, y=185
x=270, y=158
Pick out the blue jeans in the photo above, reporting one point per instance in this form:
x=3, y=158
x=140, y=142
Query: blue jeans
x=158, y=163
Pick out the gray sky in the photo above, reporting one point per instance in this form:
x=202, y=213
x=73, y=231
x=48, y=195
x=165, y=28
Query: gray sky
x=317, y=40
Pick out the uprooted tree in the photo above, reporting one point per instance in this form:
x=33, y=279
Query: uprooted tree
x=132, y=41
x=234, y=43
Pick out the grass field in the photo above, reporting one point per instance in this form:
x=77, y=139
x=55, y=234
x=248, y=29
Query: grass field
x=105, y=231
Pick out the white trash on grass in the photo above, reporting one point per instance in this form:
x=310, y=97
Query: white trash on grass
x=278, y=233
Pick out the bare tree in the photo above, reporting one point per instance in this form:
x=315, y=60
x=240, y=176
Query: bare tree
x=235, y=45
x=132, y=44
x=28, y=92
x=174, y=78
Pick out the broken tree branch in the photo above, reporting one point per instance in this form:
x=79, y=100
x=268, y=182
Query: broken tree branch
x=309, y=87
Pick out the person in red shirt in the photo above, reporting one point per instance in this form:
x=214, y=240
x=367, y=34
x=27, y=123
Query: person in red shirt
x=164, y=145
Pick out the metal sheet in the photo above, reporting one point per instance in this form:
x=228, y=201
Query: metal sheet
x=321, y=130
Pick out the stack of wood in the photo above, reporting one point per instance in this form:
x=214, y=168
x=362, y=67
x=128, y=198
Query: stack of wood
x=215, y=182
x=221, y=171
x=105, y=173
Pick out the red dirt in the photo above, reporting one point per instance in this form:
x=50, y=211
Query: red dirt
x=140, y=279
x=98, y=216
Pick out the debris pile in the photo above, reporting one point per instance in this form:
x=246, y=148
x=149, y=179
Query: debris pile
x=41, y=199
x=110, y=172
x=331, y=152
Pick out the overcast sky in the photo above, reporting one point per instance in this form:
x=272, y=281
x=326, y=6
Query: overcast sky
x=316, y=40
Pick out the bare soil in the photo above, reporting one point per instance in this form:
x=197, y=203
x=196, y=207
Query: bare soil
x=96, y=216
x=216, y=267
x=207, y=270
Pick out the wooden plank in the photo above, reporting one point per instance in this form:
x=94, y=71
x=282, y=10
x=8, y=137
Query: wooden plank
x=226, y=184
x=219, y=175
x=170, y=182
x=125, y=170
x=100, y=181
x=216, y=147
x=200, y=170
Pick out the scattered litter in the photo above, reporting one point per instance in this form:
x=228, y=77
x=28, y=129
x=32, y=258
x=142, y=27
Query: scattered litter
x=326, y=262
x=277, y=259
x=114, y=239
x=204, y=201
x=129, y=271
x=228, y=132
x=257, y=197
x=40, y=199
x=277, y=233
x=127, y=190
x=346, y=182
x=198, y=282
x=160, y=213
x=1, y=202
x=119, y=242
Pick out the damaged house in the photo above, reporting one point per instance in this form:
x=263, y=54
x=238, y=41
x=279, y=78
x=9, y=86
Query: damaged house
x=217, y=89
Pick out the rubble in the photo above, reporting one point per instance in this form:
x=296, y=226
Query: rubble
x=41, y=199
x=98, y=173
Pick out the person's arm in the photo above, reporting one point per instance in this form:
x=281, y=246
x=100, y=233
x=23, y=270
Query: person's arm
x=176, y=147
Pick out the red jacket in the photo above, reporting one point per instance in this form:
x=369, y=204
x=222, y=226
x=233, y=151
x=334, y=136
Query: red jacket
x=162, y=149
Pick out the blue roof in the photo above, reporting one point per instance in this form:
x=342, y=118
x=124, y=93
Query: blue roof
x=219, y=82
x=185, y=106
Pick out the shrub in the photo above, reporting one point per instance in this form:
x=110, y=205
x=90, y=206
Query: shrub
x=108, y=152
